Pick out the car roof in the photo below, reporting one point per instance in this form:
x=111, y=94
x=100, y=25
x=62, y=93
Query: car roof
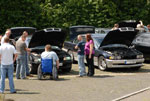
x=96, y=35
x=80, y=26
x=22, y=28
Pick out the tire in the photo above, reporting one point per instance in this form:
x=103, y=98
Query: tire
x=136, y=68
x=72, y=56
x=55, y=73
x=102, y=63
x=66, y=70
x=31, y=69
x=39, y=72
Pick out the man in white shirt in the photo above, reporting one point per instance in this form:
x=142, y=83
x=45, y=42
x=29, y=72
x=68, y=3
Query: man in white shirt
x=48, y=54
x=7, y=53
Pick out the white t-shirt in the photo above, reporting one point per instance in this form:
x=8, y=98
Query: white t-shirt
x=50, y=55
x=7, y=51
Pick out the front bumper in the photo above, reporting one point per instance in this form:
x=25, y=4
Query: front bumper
x=124, y=63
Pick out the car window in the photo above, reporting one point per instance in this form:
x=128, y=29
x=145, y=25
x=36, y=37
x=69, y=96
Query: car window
x=75, y=41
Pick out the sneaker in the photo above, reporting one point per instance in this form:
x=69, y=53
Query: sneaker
x=30, y=75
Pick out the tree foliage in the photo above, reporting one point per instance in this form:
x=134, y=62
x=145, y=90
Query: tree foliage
x=64, y=13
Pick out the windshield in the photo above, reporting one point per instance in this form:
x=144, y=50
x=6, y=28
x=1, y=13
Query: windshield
x=97, y=41
x=115, y=46
x=42, y=47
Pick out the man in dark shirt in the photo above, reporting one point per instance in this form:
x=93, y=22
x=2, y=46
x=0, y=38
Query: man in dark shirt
x=80, y=47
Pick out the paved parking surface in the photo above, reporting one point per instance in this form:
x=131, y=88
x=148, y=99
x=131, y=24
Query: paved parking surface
x=104, y=86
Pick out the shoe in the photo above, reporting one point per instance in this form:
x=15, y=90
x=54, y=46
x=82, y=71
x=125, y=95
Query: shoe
x=30, y=75
x=1, y=92
x=79, y=76
x=51, y=78
x=13, y=92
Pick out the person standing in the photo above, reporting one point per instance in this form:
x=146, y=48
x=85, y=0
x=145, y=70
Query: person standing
x=21, y=50
x=7, y=52
x=80, y=46
x=89, y=52
x=25, y=33
x=7, y=34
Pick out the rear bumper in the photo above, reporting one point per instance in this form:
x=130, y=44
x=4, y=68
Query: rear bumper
x=124, y=63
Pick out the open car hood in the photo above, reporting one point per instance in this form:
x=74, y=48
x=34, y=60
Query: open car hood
x=80, y=29
x=124, y=35
x=128, y=23
x=52, y=36
x=17, y=31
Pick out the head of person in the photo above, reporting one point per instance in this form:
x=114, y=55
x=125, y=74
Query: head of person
x=148, y=26
x=48, y=47
x=6, y=40
x=79, y=37
x=23, y=38
x=88, y=37
x=116, y=25
x=25, y=33
x=8, y=32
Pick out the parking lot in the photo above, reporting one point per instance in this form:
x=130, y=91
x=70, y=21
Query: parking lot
x=104, y=86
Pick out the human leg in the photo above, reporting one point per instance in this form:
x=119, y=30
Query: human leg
x=81, y=65
x=3, y=76
x=10, y=77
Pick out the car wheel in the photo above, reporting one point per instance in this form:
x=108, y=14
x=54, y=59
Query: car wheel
x=31, y=69
x=39, y=72
x=72, y=56
x=136, y=68
x=102, y=63
x=66, y=70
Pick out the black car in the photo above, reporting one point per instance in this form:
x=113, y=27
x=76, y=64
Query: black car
x=54, y=37
x=17, y=31
x=112, y=50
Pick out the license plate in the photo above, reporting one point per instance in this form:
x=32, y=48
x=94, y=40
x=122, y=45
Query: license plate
x=60, y=64
x=130, y=62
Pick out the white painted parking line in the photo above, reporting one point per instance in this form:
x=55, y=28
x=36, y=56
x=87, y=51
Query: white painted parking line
x=131, y=94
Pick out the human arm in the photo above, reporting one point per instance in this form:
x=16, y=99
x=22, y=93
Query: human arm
x=15, y=57
x=91, y=49
x=57, y=64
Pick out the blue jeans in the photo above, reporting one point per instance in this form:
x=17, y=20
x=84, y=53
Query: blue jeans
x=81, y=65
x=21, y=67
x=10, y=70
x=26, y=64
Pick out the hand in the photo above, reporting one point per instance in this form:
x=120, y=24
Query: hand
x=89, y=56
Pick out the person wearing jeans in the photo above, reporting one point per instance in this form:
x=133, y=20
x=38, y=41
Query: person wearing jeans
x=21, y=60
x=7, y=53
x=20, y=69
x=80, y=47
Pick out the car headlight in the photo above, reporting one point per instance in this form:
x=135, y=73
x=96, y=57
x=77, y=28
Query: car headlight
x=139, y=56
x=67, y=58
x=111, y=57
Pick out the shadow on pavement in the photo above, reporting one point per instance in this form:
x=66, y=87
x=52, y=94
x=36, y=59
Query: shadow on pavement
x=16, y=90
x=72, y=72
x=101, y=76
x=24, y=92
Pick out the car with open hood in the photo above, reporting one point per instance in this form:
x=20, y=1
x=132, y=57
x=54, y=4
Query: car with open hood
x=17, y=31
x=142, y=39
x=112, y=50
x=53, y=36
